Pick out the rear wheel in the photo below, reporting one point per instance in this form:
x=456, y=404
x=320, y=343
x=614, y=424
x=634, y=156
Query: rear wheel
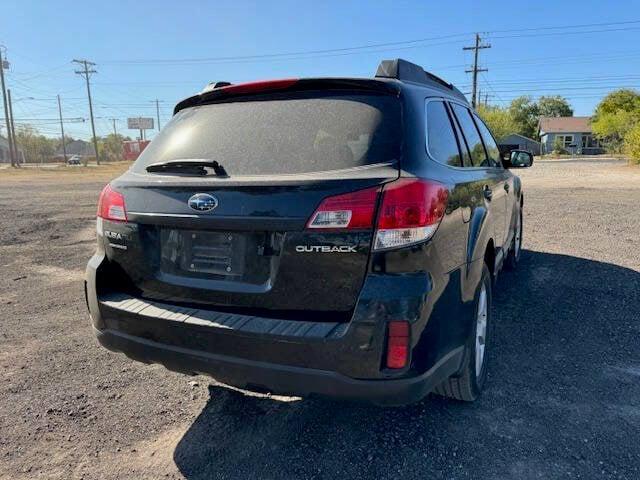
x=468, y=384
x=516, y=246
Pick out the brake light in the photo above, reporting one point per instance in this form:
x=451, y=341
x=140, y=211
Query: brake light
x=397, y=344
x=347, y=211
x=410, y=212
x=111, y=205
x=259, y=86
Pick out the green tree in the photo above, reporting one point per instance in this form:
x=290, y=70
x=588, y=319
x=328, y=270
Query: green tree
x=632, y=143
x=625, y=99
x=525, y=113
x=554, y=106
x=111, y=147
x=558, y=146
x=498, y=119
x=615, y=116
x=67, y=141
x=35, y=146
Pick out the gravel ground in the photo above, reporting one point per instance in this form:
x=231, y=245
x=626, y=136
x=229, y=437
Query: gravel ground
x=562, y=400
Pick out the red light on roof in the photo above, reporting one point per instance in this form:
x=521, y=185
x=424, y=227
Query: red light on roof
x=259, y=86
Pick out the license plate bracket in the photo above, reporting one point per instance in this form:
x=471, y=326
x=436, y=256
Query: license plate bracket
x=194, y=252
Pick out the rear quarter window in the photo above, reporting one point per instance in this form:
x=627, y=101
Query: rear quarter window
x=471, y=134
x=441, y=141
x=302, y=134
x=490, y=144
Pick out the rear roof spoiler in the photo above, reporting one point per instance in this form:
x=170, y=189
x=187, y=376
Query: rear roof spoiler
x=217, y=91
x=398, y=69
x=410, y=72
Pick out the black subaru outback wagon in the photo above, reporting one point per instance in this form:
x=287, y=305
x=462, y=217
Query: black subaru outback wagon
x=320, y=236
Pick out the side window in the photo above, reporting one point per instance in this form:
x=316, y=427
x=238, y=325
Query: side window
x=441, y=140
x=466, y=156
x=474, y=142
x=489, y=143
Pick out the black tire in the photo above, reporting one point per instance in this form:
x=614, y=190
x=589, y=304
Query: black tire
x=515, y=250
x=467, y=385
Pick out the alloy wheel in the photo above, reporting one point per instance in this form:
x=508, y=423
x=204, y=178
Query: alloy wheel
x=481, y=329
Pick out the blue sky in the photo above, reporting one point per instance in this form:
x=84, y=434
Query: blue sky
x=169, y=50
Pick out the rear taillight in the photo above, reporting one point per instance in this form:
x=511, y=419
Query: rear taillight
x=111, y=205
x=347, y=211
x=397, y=345
x=410, y=212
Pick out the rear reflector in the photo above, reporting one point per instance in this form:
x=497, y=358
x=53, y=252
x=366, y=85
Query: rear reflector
x=111, y=205
x=410, y=212
x=397, y=345
x=347, y=211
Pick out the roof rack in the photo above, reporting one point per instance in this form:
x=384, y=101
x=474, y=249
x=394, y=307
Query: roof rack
x=213, y=85
x=410, y=72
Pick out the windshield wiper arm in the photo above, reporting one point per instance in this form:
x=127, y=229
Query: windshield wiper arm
x=188, y=165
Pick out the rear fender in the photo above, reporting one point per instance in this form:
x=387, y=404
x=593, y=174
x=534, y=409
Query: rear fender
x=517, y=187
x=480, y=237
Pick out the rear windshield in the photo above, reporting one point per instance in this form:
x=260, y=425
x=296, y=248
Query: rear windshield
x=283, y=136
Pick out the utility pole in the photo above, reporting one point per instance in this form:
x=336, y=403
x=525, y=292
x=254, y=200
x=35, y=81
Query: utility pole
x=114, y=120
x=158, y=113
x=13, y=146
x=64, y=145
x=6, y=107
x=86, y=73
x=475, y=70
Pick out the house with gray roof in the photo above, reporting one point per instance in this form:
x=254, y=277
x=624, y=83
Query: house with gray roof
x=575, y=134
x=515, y=141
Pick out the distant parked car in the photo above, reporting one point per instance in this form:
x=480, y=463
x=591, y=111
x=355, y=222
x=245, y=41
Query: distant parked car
x=74, y=160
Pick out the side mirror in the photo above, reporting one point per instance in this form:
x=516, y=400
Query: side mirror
x=519, y=159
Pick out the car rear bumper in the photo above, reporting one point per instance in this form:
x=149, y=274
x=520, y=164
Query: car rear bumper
x=282, y=379
x=293, y=357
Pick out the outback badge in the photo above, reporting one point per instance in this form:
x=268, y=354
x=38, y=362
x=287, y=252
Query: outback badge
x=326, y=248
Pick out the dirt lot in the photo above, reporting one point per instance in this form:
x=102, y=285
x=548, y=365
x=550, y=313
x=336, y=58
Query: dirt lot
x=563, y=397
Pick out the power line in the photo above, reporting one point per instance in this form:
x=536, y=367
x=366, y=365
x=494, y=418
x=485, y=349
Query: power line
x=361, y=49
x=568, y=89
x=562, y=80
x=285, y=54
x=564, y=27
x=491, y=88
x=38, y=119
x=551, y=34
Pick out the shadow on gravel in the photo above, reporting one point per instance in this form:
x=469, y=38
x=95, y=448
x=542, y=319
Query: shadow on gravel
x=563, y=399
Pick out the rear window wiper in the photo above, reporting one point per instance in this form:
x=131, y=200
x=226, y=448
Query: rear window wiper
x=199, y=166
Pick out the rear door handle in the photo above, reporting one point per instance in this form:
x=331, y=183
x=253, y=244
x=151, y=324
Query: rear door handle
x=487, y=192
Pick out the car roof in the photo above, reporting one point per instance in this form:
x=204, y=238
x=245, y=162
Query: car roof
x=392, y=76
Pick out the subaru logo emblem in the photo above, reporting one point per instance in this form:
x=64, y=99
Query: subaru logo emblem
x=203, y=202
